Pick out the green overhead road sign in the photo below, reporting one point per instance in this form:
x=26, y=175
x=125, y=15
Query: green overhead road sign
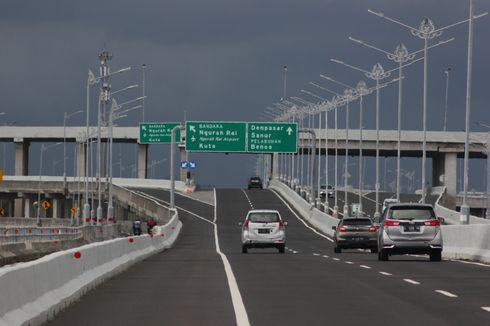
x=157, y=132
x=271, y=137
x=215, y=136
x=252, y=137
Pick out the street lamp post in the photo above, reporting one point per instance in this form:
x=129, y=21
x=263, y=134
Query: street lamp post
x=66, y=117
x=43, y=149
x=427, y=31
x=377, y=73
x=446, y=72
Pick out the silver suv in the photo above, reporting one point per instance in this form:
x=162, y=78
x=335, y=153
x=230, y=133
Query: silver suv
x=409, y=229
x=263, y=228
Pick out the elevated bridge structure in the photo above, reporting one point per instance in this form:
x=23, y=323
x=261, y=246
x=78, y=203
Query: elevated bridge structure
x=442, y=147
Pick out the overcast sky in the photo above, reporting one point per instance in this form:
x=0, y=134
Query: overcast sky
x=223, y=59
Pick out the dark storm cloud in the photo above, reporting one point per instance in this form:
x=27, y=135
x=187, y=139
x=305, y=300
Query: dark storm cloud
x=222, y=59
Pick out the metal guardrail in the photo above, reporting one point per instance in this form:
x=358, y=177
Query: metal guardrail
x=20, y=234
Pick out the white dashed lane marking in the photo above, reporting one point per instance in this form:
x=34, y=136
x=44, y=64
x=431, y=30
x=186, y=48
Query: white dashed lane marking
x=385, y=273
x=349, y=262
x=487, y=309
x=315, y=254
x=325, y=256
x=364, y=266
x=411, y=281
x=336, y=259
x=447, y=294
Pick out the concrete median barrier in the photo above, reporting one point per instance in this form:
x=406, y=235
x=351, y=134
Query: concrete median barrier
x=35, y=291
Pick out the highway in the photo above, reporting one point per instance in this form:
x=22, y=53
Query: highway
x=192, y=283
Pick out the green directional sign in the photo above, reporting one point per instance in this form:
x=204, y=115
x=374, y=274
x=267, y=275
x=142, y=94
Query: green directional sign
x=272, y=137
x=215, y=136
x=157, y=132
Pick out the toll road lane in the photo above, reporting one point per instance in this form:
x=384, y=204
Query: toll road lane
x=185, y=285
x=304, y=288
x=197, y=207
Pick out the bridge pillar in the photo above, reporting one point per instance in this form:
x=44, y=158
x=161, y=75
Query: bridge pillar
x=81, y=158
x=446, y=164
x=438, y=164
x=27, y=207
x=184, y=156
x=142, y=161
x=21, y=168
x=57, y=208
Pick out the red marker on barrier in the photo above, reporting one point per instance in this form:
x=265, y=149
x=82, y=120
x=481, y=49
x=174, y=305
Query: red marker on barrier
x=77, y=255
x=5, y=231
x=16, y=231
x=131, y=240
x=30, y=231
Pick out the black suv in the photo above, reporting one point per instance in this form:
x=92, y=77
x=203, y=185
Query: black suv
x=254, y=182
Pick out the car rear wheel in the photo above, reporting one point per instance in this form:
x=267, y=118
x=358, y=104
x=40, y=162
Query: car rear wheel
x=281, y=249
x=435, y=256
x=382, y=255
x=244, y=249
x=337, y=249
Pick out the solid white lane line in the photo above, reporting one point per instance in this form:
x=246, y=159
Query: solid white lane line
x=411, y=281
x=470, y=262
x=215, y=206
x=248, y=198
x=486, y=309
x=364, y=266
x=236, y=298
x=325, y=256
x=385, y=273
x=447, y=294
x=336, y=259
x=300, y=219
x=349, y=262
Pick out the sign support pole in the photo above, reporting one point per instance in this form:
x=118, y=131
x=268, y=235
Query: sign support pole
x=172, y=168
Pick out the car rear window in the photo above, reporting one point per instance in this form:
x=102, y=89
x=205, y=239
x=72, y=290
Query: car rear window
x=263, y=217
x=415, y=213
x=357, y=221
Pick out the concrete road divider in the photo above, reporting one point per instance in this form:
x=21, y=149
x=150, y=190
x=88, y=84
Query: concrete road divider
x=319, y=220
x=33, y=292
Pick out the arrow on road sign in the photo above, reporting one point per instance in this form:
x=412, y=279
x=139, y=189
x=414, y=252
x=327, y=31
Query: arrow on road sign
x=193, y=138
x=192, y=164
x=192, y=128
x=289, y=131
x=143, y=127
x=184, y=164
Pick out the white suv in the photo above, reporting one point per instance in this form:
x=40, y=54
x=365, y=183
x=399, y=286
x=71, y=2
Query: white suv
x=263, y=228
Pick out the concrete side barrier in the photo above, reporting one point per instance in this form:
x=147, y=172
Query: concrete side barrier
x=319, y=220
x=468, y=242
x=35, y=291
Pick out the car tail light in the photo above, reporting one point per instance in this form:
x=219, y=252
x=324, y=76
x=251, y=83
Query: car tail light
x=245, y=224
x=391, y=223
x=281, y=225
x=372, y=228
x=432, y=223
x=341, y=228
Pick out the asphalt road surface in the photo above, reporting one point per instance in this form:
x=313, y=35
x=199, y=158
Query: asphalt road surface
x=308, y=285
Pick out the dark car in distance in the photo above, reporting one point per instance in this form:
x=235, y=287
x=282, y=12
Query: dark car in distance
x=255, y=182
x=355, y=233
